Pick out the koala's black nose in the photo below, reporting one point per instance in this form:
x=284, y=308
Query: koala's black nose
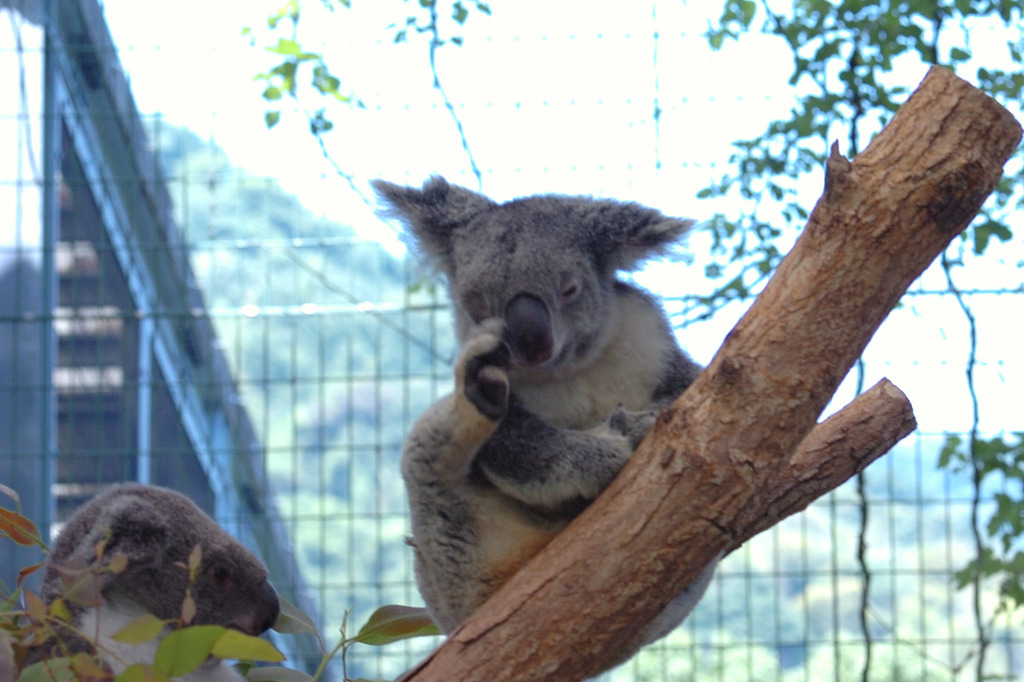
x=271, y=606
x=528, y=326
x=261, y=612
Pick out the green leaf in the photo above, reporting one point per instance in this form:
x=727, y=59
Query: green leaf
x=291, y=48
x=142, y=672
x=277, y=674
x=145, y=628
x=959, y=55
x=289, y=10
x=747, y=9
x=58, y=610
x=394, y=623
x=294, y=621
x=285, y=46
x=51, y=670
x=983, y=233
x=271, y=118
x=116, y=564
x=459, y=13
x=327, y=83
x=319, y=123
x=87, y=667
x=950, y=451
x=184, y=650
x=195, y=559
x=286, y=72
x=236, y=644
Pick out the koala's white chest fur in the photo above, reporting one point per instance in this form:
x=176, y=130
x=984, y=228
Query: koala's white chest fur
x=624, y=372
x=102, y=623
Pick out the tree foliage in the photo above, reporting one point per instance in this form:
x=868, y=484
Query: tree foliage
x=298, y=65
x=282, y=79
x=844, y=56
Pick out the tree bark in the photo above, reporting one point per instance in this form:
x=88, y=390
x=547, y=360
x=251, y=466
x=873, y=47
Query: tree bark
x=732, y=456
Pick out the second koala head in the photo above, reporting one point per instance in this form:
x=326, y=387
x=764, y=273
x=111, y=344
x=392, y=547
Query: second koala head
x=546, y=265
x=155, y=530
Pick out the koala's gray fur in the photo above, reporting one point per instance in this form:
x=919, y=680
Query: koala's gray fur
x=562, y=369
x=155, y=529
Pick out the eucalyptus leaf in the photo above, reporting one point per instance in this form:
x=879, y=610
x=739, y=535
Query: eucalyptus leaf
x=394, y=623
x=145, y=628
x=19, y=528
x=293, y=620
x=236, y=644
x=184, y=650
x=50, y=670
x=277, y=674
x=142, y=672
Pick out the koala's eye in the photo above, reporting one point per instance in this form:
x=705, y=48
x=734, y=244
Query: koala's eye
x=570, y=291
x=220, y=575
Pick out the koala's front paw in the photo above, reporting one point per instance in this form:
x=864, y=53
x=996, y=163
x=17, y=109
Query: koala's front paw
x=483, y=362
x=632, y=425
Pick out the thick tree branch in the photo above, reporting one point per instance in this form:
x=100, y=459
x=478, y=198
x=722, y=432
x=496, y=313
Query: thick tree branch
x=718, y=468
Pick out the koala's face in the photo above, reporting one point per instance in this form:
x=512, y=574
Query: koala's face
x=529, y=263
x=156, y=529
x=545, y=265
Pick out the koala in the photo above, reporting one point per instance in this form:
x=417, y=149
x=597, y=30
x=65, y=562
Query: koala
x=562, y=368
x=155, y=529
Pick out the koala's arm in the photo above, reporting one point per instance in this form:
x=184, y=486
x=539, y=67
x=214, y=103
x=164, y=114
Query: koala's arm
x=481, y=430
x=554, y=469
x=440, y=449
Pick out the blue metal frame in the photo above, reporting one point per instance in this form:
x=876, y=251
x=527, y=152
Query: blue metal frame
x=104, y=129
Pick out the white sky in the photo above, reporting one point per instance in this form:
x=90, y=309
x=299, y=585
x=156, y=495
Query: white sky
x=562, y=110
x=555, y=97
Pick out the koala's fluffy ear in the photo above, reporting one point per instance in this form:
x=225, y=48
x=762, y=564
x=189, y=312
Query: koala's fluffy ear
x=433, y=213
x=138, y=530
x=626, y=234
x=103, y=529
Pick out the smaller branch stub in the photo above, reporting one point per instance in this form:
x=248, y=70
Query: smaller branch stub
x=837, y=172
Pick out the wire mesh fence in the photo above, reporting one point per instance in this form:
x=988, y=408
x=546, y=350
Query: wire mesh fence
x=304, y=338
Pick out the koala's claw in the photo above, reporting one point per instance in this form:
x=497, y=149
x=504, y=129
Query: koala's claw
x=485, y=381
x=633, y=425
x=618, y=420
